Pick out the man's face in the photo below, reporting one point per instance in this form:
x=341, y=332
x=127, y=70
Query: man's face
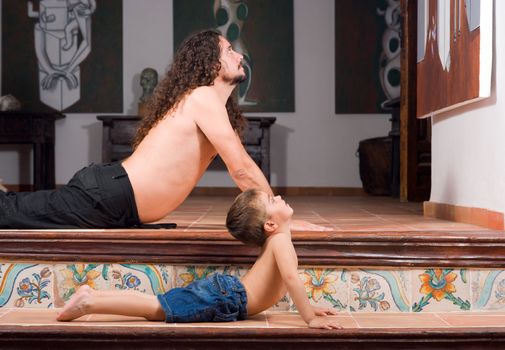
x=231, y=63
x=276, y=208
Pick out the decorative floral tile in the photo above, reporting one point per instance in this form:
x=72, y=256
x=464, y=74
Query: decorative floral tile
x=184, y=275
x=26, y=286
x=438, y=289
x=284, y=304
x=69, y=277
x=379, y=290
x=325, y=287
x=488, y=289
x=146, y=278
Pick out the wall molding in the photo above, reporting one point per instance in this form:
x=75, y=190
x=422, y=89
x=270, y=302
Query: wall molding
x=476, y=216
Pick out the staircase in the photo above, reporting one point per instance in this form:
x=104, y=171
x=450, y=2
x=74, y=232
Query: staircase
x=400, y=281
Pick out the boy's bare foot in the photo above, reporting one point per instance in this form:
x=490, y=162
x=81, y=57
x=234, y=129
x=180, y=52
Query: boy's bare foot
x=76, y=306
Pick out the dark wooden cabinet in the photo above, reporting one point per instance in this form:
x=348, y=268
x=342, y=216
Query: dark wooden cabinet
x=119, y=130
x=37, y=129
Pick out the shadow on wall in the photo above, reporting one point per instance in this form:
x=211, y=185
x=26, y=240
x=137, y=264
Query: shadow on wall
x=135, y=87
x=94, y=131
x=25, y=163
x=278, y=153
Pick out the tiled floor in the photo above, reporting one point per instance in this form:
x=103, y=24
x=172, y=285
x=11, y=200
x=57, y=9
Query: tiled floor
x=341, y=214
x=269, y=319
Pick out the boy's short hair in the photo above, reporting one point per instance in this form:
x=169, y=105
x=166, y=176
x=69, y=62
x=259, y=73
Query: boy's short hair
x=246, y=218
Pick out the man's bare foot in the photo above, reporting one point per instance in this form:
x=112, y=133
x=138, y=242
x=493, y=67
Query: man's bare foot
x=76, y=306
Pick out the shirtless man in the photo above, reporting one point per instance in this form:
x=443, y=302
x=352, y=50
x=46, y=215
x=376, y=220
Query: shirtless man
x=176, y=143
x=191, y=117
x=255, y=217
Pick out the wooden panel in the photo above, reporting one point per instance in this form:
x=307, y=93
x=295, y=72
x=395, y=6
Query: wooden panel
x=397, y=249
x=415, y=136
x=216, y=338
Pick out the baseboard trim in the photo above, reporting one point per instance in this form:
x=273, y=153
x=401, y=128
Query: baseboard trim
x=475, y=216
x=285, y=191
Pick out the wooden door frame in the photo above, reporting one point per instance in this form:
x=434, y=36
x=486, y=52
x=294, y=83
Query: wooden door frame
x=412, y=148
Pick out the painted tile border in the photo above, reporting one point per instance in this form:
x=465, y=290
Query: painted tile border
x=42, y=285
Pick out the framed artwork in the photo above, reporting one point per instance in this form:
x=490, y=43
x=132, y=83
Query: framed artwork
x=367, y=55
x=454, y=53
x=262, y=31
x=63, y=55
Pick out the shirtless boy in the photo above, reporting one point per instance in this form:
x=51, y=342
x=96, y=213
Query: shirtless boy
x=191, y=119
x=255, y=217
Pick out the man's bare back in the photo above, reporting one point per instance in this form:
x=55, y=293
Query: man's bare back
x=170, y=160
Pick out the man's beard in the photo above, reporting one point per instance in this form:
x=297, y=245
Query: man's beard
x=236, y=79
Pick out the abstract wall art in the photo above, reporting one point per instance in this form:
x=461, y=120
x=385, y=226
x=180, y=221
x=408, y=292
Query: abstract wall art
x=63, y=55
x=454, y=53
x=262, y=31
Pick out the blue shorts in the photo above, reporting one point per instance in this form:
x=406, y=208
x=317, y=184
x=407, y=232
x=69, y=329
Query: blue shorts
x=218, y=298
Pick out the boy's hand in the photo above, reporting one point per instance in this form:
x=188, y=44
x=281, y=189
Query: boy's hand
x=322, y=311
x=324, y=323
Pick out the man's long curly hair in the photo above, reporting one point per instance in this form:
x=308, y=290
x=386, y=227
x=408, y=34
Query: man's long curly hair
x=195, y=64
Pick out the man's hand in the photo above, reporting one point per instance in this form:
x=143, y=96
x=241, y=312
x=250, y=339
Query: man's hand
x=323, y=311
x=324, y=323
x=302, y=225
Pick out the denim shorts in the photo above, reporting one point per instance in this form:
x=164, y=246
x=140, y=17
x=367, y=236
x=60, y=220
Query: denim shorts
x=97, y=196
x=218, y=298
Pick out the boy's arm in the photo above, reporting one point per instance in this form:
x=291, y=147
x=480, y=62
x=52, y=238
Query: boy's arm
x=287, y=262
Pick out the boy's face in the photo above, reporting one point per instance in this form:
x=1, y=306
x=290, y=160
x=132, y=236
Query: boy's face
x=276, y=208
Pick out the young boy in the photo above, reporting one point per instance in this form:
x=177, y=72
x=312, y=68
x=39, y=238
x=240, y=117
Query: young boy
x=254, y=218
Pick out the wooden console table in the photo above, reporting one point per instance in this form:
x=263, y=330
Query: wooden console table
x=37, y=129
x=119, y=130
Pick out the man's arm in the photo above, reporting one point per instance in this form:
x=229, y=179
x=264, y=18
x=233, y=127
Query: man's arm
x=211, y=117
x=287, y=262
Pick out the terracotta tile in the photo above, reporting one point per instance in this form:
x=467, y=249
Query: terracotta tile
x=4, y=312
x=495, y=221
x=29, y=316
x=478, y=217
x=399, y=320
x=285, y=320
x=256, y=321
x=473, y=319
x=294, y=320
x=114, y=319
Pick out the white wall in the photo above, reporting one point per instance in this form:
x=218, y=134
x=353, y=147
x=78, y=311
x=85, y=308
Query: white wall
x=311, y=147
x=468, y=144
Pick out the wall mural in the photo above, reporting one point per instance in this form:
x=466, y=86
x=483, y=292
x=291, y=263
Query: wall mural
x=262, y=31
x=367, y=55
x=63, y=55
x=454, y=53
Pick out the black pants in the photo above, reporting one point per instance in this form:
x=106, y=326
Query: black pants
x=98, y=196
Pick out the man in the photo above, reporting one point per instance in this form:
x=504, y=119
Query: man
x=188, y=125
x=191, y=118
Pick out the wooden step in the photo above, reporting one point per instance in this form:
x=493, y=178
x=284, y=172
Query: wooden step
x=484, y=248
x=270, y=330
